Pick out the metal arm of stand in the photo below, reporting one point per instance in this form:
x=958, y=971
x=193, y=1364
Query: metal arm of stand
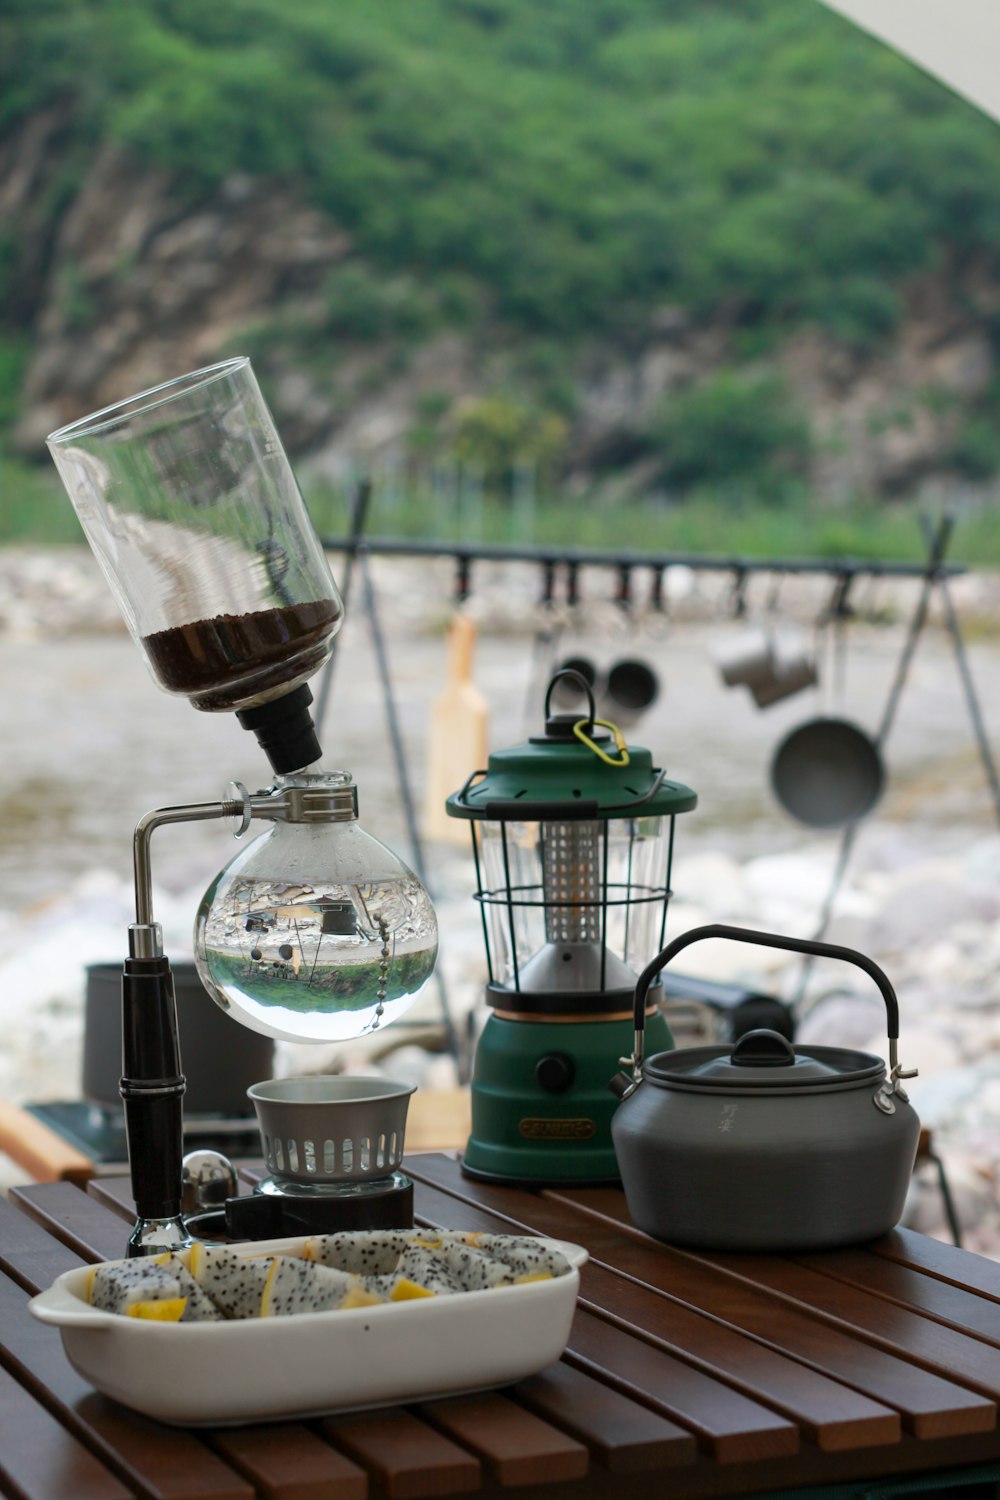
x=152, y=1084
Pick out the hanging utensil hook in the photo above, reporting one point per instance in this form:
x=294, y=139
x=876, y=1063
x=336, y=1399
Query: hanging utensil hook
x=738, y=592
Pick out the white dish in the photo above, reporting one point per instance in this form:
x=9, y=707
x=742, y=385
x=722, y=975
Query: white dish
x=263, y=1369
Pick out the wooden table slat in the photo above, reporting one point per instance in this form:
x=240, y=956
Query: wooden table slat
x=114, y=1193
x=598, y=1203
x=516, y=1446
x=624, y=1436
x=285, y=1461
x=937, y=1258
x=832, y=1415
x=74, y=1218
x=28, y=1254
x=854, y=1475
x=871, y=1318
x=729, y=1425
x=40, y=1460
x=410, y=1459
x=929, y=1405
x=943, y=1301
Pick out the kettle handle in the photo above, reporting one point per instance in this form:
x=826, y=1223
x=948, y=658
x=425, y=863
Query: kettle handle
x=761, y=940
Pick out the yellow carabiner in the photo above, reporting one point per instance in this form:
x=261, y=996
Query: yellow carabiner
x=585, y=739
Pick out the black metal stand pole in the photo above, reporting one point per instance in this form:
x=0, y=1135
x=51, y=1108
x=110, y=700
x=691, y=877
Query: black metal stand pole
x=938, y=541
x=969, y=688
x=402, y=771
x=931, y=577
x=359, y=518
x=947, y=1201
x=152, y=1090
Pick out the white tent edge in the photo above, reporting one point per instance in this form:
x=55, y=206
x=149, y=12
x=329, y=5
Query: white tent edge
x=955, y=41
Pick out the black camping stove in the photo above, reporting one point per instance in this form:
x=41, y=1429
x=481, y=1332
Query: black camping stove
x=277, y=1209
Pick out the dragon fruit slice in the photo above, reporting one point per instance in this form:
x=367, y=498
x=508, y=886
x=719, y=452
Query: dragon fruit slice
x=364, y=1253
x=526, y=1255
x=474, y=1270
x=199, y=1306
x=133, y=1287
x=301, y=1286
x=114, y=1288
x=418, y=1272
x=234, y=1283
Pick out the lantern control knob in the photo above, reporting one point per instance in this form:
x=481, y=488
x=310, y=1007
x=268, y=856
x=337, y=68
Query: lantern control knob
x=555, y=1072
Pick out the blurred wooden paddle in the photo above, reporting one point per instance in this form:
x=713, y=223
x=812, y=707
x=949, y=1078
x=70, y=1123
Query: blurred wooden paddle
x=456, y=737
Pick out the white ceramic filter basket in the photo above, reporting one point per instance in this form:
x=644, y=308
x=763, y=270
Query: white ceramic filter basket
x=322, y=1130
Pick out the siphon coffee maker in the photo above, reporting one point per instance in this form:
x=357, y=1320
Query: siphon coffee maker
x=315, y=931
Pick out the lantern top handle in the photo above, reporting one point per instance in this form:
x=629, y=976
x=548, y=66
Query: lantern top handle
x=578, y=680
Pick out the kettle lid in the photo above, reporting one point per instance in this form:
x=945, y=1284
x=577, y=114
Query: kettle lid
x=762, y=1059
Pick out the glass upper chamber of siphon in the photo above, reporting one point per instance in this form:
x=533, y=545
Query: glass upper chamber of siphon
x=195, y=517
x=315, y=932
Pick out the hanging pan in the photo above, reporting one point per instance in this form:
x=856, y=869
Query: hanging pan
x=631, y=687
x=827, y=773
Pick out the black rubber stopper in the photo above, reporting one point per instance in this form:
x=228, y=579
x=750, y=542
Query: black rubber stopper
x=285, y=730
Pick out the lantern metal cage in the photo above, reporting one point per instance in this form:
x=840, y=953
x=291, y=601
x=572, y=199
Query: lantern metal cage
x=571, y=909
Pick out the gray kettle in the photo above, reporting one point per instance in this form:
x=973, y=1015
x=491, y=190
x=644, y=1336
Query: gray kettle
x=764, y=1145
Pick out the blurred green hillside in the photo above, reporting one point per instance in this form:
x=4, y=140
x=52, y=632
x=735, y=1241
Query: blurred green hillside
x=548, y=180
x=580, y=159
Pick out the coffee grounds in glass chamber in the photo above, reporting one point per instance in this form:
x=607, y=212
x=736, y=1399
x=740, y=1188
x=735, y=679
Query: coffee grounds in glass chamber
x=221, y=662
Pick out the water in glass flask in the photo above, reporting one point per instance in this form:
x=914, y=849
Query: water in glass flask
x=320, y=962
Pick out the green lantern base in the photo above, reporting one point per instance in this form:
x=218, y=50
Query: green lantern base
x=541, y=1105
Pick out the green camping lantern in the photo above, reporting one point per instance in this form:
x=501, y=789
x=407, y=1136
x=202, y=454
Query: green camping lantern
x=572, y=836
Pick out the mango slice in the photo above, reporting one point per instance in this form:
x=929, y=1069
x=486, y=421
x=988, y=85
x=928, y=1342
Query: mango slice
x=167, y=1310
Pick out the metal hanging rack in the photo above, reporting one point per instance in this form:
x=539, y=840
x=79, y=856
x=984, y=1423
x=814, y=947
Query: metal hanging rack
x=934, y=572
x=468, y=553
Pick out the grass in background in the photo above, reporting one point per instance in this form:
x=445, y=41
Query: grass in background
x=33, y=506
x=34, y=510
x=708, y=523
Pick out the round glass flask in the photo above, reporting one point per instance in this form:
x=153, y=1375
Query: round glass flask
x=315, y=932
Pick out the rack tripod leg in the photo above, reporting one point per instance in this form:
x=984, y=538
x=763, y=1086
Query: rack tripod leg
x=971, y=698
x=937, y=546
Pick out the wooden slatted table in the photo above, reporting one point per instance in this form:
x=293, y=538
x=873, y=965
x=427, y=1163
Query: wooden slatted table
x=685, y=1375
